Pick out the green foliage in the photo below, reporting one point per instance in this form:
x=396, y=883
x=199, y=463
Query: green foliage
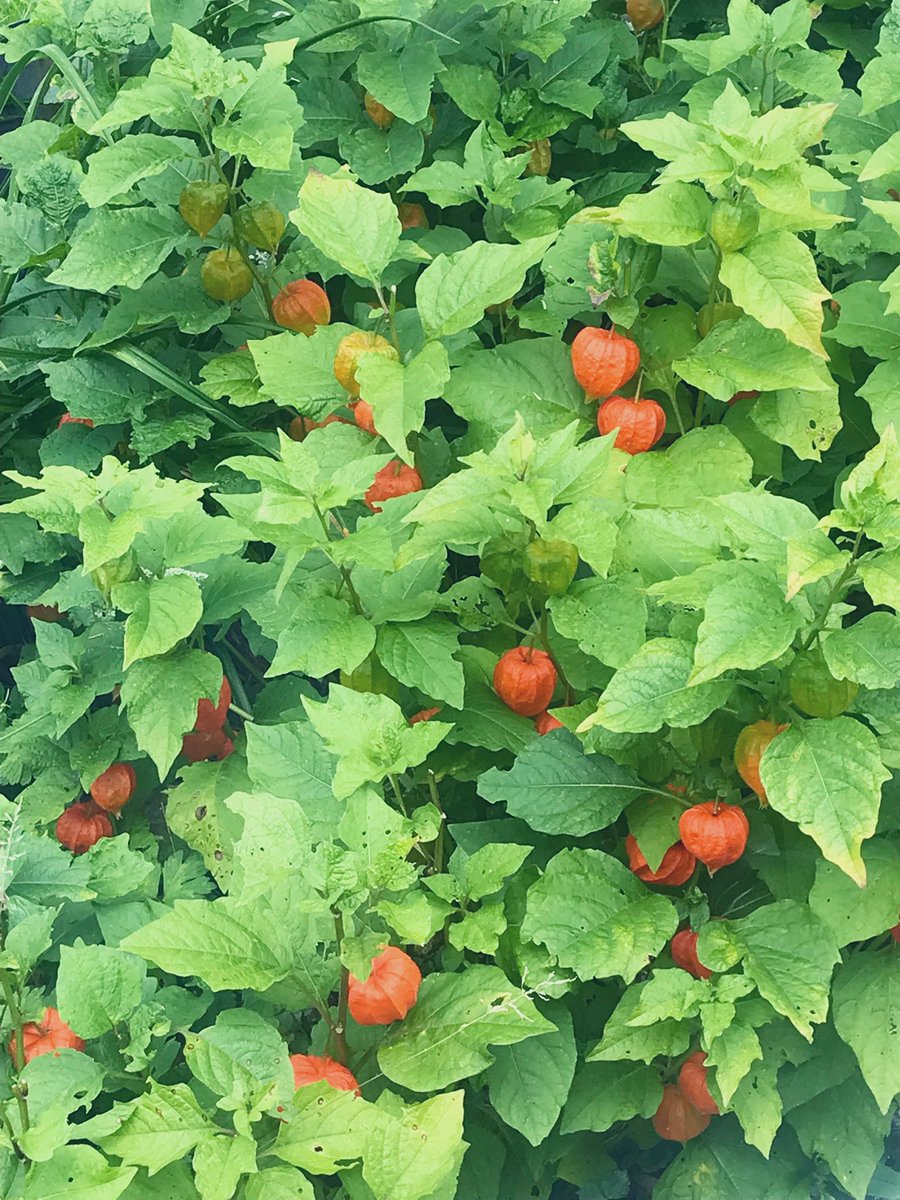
x=283, y=610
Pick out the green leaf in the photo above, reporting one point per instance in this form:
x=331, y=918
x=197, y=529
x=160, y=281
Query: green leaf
x=483, y=873
x=596, y=917
x=278, y=1183
x=370, y=735
x=327, y=1128
x=356, y=228
x=114, y=170
x=674, y=214
x=163, y=611
x=318, y=638
x=219, y=1162
x=775, y=280
x=556, y=788
x=420, y=654
x=401, y=80
x=606, y=1092
x=163, y=1125
x=528, y=1083
x=867, y=1017
x=606, y=617
x=377, y=155
x=787, y=953
x=79, y=1172
x=262, y=127
x=746, y=624
x=26, y=237
x=397, y=392
x=416, y=1151
x=119, y=248
x=97, y=987
x=720, y=1164
x=160, y=697
x=290, y=760
x=827, y=776
x=739, y=356
x=855, y=914
x=456, y=1018
x=844, y=1127
x=867, y=652
x=225, y=943
x=864, y=321
x=242, y=1059
x=805, y=421
x=653, y=821
x=653, y=689
x=454, y=290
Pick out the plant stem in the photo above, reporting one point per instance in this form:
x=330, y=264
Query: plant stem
x=545, y=642
x=840, y=583
x=439, y=844
x=15, y=1013
x=339, y=1029
x=398, y=795
x=345, y=574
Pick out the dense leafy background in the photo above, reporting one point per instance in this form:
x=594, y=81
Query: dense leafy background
x=568, y=167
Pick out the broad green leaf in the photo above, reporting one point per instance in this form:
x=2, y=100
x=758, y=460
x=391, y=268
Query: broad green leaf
x=266, y=857
x=606, y=1092
x=160, y=697
x=641, y=1043
x=805, y=421
x=774, y=279
x=867, y=652
x=595, y=917
x=163, y=1125
x=704, y=463
x=78, y=1172
x=376, y=155
x=327, y=1128
x=98, y=988
x=227, y=944
x=454, y=290
x=880, y=572
x=397, y=393
x=720, y=1164
x=357, y=228
x=242, y=1059
x=59, y=1085
x=370, y=736
x=746, y=624
x=219, y=1162
x=881, y=391
x=420, y=654
x=290, y=759
x=757, y=1105
x=787, y=953
x=653, y=689
x=556, y=788
x=114, y=170
x=317, y=638
x=162, y=613
x=855, y=914
x=119, y=248
x=739, y=356
x=26, y=237
x=456, y=1018
x=867, y=1016
x=278, y=1183
x=653, y=820
x=864, y=321
x=267, y=114
x=674, y=214
x=732, y=1053
x=827, y=776
x=528, y=1083
x=413, y=1152
x=401, y=80
x=606, y=617
x=844, y=1127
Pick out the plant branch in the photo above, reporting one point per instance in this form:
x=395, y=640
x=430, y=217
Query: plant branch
x=339, y=1029
x=15, y=1013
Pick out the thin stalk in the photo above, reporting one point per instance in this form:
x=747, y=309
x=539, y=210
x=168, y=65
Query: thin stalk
x=345, y=574
x=439, y=844
x=15, y=1014
x=339, y=1029
x=398, y=795
x=545, y=642
x=840, y=583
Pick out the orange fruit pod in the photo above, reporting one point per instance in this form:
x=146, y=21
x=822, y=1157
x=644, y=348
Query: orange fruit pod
x=346, y=358
x=388, y=993
x=640, y=423
x=311, y=1068
x=302, y=306
x=82, y=825
x=676, y=1119
x=396, y=479
x=525, y=680
x=714, y=832
x=749, y=749
x=603, y=360
x=677, y=864
x=683, y=948
x=46, y=1036
x=112, y=790
x=694, y=1086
